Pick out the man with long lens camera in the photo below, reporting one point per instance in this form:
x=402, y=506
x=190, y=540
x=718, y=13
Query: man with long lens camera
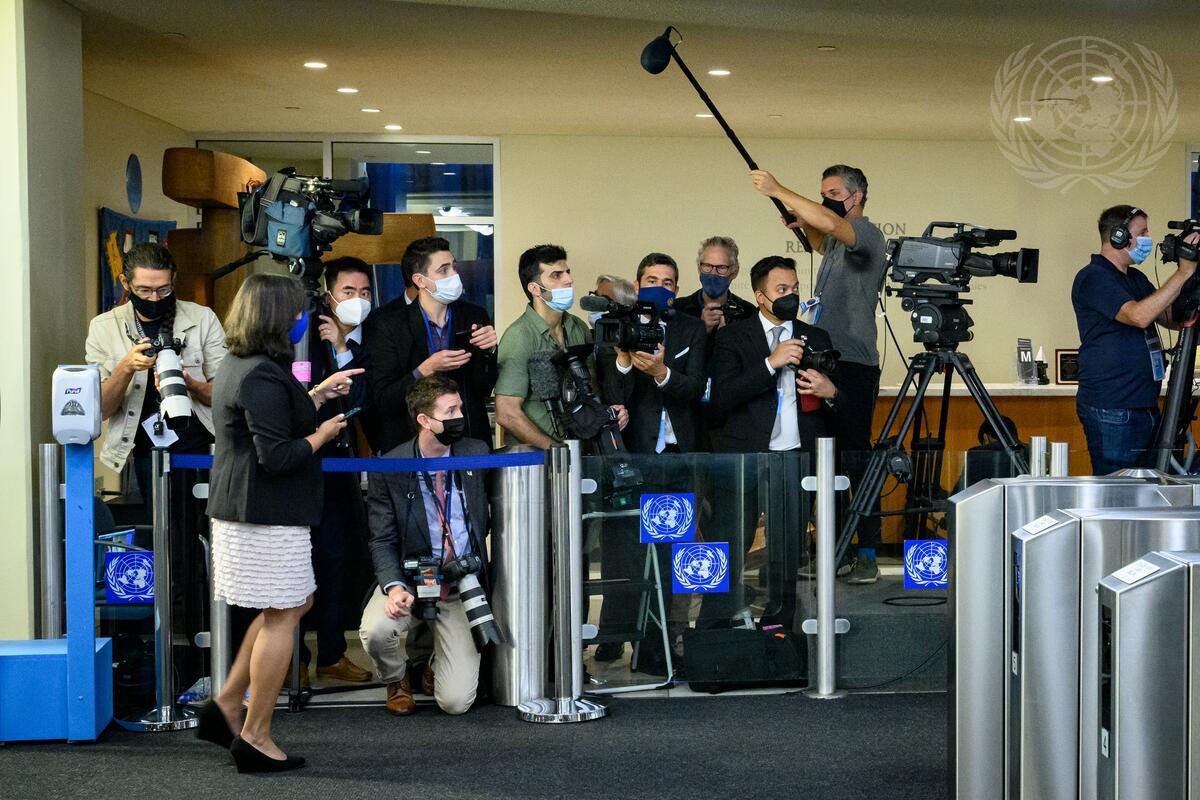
x=125, y=343
x=852, y=269
x=778, y=379
x=428, y=546
x=660, y=385
x=1121, y=362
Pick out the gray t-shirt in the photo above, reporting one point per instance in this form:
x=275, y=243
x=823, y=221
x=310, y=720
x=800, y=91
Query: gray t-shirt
x=848, y=284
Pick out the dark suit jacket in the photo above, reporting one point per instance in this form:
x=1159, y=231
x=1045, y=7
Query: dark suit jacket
x=264, y=471
x=693, y=304
x=399, y=526
x=324, y=364
x=398, y=343
x=745, y=389
x=684, y=353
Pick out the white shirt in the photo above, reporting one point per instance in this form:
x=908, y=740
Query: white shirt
x=667, y=433
x=788, y=436
x=344, y=358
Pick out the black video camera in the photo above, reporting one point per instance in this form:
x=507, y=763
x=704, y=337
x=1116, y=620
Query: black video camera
x=917, y=259
x=1173, y=247
x=630, y=328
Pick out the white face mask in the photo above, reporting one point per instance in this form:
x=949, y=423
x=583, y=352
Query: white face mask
x=352, y=312
x=446, y=290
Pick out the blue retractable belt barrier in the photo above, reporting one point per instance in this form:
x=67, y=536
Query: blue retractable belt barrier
x=185, y=461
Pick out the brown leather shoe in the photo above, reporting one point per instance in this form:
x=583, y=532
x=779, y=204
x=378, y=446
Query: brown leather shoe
x=344, y=670
x=399, y=698
x=305, y=683
x=427, y=680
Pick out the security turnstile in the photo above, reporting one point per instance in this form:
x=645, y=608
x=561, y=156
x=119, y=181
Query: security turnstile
x=1149, y=678
x=982, y=517
x=1056, y=563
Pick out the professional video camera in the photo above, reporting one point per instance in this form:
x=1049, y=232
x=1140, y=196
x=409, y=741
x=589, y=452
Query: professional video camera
x=297, y=218
x=634, y=327
x=1173, y=247
x=933, y=273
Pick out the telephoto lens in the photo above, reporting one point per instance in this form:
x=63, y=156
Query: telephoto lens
x=175, y=405
x=484, y=629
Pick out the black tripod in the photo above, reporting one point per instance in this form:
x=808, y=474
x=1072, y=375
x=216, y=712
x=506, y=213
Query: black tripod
x=888, y=455
x=1171, y=444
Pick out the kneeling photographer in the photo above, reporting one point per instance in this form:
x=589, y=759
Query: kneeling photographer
x=428, y=548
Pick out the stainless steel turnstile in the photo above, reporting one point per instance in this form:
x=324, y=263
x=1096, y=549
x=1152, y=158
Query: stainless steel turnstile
x=1053, y=709
x=981, y=519
x=1149, y=676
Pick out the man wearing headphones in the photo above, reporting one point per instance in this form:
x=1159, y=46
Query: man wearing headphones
x=1121, y=360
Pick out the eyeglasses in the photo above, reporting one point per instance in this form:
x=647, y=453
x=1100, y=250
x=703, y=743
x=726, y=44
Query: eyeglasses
x=720, y=269
x=160, y=292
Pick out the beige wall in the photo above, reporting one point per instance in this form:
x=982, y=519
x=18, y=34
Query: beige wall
x=611, y=200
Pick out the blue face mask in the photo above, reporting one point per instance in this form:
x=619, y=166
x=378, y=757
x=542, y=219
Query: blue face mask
x=298, y=329
x=593, y=316
x=660, y=296
x=714, y=285
x=1142, y=250
x=561, y=299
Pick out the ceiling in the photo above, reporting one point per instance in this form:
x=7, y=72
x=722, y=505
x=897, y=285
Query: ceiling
x=902, y=69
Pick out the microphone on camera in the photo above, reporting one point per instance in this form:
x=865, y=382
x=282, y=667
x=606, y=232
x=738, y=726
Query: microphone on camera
x=595, y=302
x=545, y=384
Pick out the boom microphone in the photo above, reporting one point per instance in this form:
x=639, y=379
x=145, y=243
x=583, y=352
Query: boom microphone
x=545, y=385
x=595, y=302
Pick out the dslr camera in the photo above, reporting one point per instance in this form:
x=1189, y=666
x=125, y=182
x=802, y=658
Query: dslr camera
x=1173, y=247
x=175, y=404
x=823, y=361
x=632, y=328
x=425, y=576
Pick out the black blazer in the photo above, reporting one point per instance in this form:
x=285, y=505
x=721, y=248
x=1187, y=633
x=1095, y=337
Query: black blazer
x=684, y=353
x=399, y=526
x=264, y=472
x=324, y=364
x=693, y=304
x=745, y=389
x=398, y=343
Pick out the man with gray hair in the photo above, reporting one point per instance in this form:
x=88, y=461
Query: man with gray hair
x=615, y=288
x=848, y=283
x=713, y=303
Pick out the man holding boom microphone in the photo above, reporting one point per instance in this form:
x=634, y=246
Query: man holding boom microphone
x=852, y=269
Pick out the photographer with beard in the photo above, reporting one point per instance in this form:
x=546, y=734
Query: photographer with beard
x=119, y=341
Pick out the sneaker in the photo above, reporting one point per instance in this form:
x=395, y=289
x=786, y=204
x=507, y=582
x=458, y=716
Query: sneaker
x=865, y=571
x=846, y=566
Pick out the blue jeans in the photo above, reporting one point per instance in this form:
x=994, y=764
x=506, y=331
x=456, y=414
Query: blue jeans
x=1118, y=438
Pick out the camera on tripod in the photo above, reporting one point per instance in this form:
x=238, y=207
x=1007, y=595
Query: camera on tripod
x=1173, y=247
x=631, y=328
x=297, y=217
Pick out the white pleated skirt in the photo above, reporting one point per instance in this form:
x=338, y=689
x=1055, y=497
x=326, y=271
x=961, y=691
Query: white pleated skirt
x=262, y=566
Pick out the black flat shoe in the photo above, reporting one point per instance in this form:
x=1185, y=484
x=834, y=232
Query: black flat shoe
x=249, y=758
x=212, y=726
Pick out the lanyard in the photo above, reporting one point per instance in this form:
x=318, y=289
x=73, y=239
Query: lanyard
x=433, y=348
x=443, y=505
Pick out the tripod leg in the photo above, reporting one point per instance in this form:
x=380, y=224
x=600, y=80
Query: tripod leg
x=1179, y=391
x=992, y=414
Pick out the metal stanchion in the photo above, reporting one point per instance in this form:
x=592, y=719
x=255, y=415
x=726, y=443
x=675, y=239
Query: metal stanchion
x=566, y=531
x=826, y=626
x=1037, y=456
x=166, y=715
x=53, y=592
x=220, y=637
x=1060, y=454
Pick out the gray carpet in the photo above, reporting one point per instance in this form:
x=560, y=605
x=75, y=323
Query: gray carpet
x=777, y=746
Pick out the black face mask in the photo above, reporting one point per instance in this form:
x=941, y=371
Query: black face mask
x=452, y=431
x=153, y=309
x=785, y=308
x=836, y=206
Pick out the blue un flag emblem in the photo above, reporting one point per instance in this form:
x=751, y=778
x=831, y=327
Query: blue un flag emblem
x=926, y=564
x=668, y=518
x=129, y=577
x=700, y=568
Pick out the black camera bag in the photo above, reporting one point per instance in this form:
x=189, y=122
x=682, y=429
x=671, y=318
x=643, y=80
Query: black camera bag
x=739, y=658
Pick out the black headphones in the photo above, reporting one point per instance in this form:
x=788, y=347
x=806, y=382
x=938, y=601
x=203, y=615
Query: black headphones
x=1120, y=238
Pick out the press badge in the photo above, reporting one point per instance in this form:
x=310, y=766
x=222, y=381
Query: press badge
x=1154, y=345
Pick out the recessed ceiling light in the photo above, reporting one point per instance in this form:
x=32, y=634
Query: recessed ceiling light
x=347, y=90
x=174, y=35
x=449, y=173
x=437, y=163
x=1022, y=119
x=315, y=64
x=422, y=152
x=720, y=73
x=1102, y=79
x=826, y=48
x=392, y=128
x=775, y=116
x=704, y=116
x=370, y=110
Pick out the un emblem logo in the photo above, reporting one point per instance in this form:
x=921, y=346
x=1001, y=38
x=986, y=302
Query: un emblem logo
x=129, y=577
x=1058, y=126
x=668, y=517
x=926, y=564
x=700, y=568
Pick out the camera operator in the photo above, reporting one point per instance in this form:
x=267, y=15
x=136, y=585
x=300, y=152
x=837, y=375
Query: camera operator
x=545, y=325
x=776, y=403
x=439, y=333
x=852, y=269
x=435, y=520
x=661, y=391
x=713, y=303
x=1120, y=356
x=119, y=342
x=346, y=304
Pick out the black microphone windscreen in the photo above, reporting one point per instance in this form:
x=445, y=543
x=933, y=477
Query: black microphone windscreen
x=594, y=302
x=657, y=55
x=544, y=380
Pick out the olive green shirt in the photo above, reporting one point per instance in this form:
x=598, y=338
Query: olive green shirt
x=530, y=334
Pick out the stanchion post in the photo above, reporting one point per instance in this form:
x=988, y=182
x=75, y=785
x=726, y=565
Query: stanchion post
x=53, y=594
x=1037, y=456
x=826, y=626
x=220, y=636
x=1060, y=460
